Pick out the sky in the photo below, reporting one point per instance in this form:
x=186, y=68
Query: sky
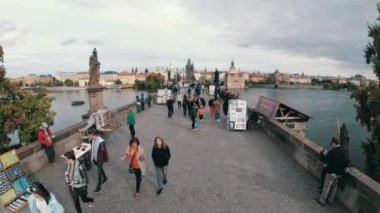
x=324, y=37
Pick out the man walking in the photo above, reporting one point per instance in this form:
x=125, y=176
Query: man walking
x=169, y=104
x=99, y=156
x=131, y=121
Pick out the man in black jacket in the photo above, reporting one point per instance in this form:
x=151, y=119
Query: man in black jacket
x=336, y=164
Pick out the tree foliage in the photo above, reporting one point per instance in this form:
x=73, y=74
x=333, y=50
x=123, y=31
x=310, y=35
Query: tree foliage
x=118, y=82
x=367, y=104
x=20, y=111
x=153, y=81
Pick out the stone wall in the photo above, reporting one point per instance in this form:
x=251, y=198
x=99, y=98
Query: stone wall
x=33, y=158
x=358, y=192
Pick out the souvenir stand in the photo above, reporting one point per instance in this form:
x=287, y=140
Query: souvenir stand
x=13, y=183
x=103, y=123
x=237, y=115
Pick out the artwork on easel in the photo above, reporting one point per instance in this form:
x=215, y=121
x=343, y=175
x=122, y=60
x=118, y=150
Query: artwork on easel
x=5, y=185
x=8, y=159
x=8, y=197
x=21, y=185
x=14, y=172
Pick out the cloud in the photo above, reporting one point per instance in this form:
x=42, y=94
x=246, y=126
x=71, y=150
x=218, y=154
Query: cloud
x=94, y=42
x=69, y=42
x=6, y=26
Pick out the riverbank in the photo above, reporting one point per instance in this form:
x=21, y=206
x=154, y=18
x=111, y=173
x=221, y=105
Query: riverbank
x=62, y=89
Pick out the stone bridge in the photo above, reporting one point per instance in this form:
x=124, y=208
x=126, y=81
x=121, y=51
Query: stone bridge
x=211, y=170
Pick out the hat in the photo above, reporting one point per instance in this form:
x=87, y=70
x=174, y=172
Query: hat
x=44, y=125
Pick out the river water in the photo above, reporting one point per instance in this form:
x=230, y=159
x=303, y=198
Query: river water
x=323, y=106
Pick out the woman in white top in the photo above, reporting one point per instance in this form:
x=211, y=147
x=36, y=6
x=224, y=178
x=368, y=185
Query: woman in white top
x=179, y=100
x=41, y=201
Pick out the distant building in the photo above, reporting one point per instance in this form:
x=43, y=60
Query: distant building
x=236, y=79
x=257, y=77
x=34, y=79
x=299, y=79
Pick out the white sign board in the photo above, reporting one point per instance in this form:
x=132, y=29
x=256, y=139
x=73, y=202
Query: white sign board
x=237, y=112
x=163, y=95
x=211, y=90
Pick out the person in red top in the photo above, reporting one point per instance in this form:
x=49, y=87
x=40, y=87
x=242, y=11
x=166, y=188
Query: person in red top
x=45, y=137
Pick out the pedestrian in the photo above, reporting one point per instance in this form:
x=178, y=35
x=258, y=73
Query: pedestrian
x=160, y=156
x=179, y=100
x=184, y=104
x=149, y=100
x=169, y=104
x=42, y=201
x=134, y=154
x=216, y=105
x=131, y=121
x=211, y=105
x=99, y=156
x=77, y=179
x=193, y=108
x=225, y=107
x=189, y=92
x=336, y=164
x=138, y=104
x=142, y=102
x=201, y=111
x=45, y=137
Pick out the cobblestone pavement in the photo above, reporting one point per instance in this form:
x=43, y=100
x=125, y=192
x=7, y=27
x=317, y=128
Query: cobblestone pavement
x=211, y=170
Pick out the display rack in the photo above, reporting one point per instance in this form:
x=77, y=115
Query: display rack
x=237, y=115
x=13, y=183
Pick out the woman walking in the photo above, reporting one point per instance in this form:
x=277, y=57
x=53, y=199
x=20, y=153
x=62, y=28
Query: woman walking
x=160, y=156
x=42, y=201
x=134, y=154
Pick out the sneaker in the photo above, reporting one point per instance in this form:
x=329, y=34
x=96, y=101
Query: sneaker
x=319, y=202
x=165, y=181
x=97, y=190
x=104, y=180
x=136, y=195
x=91, y=204
x=159, y=191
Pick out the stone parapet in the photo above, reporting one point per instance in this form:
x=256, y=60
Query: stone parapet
x=358, y=192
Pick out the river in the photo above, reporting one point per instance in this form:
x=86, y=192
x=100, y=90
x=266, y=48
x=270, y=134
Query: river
x=323, y=106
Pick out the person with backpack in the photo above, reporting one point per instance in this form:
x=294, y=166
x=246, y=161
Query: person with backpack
x=160, y=156
x=76, y=178
x=99, y=156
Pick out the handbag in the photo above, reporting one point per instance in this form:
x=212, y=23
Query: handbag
x=130, y=170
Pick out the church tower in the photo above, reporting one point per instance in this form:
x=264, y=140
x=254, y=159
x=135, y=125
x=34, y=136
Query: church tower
x=232, y=67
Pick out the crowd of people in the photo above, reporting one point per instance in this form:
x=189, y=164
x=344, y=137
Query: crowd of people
x=192, y=105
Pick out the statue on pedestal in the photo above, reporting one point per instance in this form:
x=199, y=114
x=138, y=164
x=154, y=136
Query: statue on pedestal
x=94, y=68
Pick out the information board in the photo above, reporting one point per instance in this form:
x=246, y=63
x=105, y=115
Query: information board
x=163, y=95
x=13, y=182
x=237, y=114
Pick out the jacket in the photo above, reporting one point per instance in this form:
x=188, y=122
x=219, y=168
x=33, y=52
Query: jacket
x=131, y=120
x=53, y=207
x=99, y=150
x=335, y=161
x=140, y=153
x=44, y=139
x=161, y=156
x=76, y=175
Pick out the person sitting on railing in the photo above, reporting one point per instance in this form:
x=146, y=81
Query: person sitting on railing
x=335, y=167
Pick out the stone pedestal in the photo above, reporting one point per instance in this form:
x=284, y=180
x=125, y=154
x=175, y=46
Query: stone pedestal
x=95, y=96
